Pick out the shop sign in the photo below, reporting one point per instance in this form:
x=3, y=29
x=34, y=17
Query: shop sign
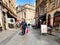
x=43, y=28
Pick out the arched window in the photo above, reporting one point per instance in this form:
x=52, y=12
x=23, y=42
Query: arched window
x=57, y=18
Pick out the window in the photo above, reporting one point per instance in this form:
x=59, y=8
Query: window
x=6, y=4
x=39, y=9
x=58, y=2
x=24, y=15
x=52, y=4
x=18, y=8
x=42, y=11
x=9, y=1
x=51, y=1
x=45, y=9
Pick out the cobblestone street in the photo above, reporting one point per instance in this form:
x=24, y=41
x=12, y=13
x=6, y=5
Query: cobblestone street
x=33, y=38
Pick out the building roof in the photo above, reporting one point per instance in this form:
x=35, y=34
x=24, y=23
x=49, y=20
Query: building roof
x=26, y=6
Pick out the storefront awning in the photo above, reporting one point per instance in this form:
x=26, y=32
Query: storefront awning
x=13, y=15
x=42, y=17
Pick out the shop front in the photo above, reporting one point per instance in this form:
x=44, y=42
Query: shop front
x=57, y=21
x=41, y=20
x=55, y=29
x=11, y=20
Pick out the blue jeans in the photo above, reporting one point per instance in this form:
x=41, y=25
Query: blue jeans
x=23, y=31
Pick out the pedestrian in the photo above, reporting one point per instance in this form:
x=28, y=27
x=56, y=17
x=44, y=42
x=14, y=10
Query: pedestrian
x=24, y=25
x=50, y=29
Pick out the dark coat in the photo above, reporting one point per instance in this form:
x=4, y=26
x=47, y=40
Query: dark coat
x=23, y=24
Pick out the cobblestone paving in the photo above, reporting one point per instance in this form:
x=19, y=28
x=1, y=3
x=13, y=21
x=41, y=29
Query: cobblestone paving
x=33, y=38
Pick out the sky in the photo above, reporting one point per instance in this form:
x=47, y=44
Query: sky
x=22, y=2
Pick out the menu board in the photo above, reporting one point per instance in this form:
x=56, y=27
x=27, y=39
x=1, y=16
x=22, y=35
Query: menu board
x=43, y=28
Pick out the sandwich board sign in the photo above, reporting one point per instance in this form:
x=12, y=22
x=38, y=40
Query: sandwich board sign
x=43, y=28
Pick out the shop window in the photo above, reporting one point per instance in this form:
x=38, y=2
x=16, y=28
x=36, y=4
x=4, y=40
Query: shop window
x=57, y=16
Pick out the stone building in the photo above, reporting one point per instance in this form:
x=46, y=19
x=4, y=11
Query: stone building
x=51, y=8
x=53, y=12
x=7, y=14
x=27, y=12
x=40, y=12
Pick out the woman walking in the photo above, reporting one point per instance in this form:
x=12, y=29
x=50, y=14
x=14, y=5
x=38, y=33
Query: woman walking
x=23, y=24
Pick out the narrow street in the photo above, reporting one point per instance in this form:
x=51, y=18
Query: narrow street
x=16, y=15
x=33, y=38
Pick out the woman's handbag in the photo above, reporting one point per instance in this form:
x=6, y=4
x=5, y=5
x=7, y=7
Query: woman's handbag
x=26, y=31
x=20, y=27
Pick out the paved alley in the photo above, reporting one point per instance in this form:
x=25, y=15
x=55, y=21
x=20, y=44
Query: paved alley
x=32, y=38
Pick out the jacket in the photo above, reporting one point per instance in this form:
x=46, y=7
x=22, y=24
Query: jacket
x=24, y=25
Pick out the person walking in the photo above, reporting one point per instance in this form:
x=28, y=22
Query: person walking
x=23, y=24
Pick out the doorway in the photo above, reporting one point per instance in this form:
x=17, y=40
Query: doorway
x=49, y=17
